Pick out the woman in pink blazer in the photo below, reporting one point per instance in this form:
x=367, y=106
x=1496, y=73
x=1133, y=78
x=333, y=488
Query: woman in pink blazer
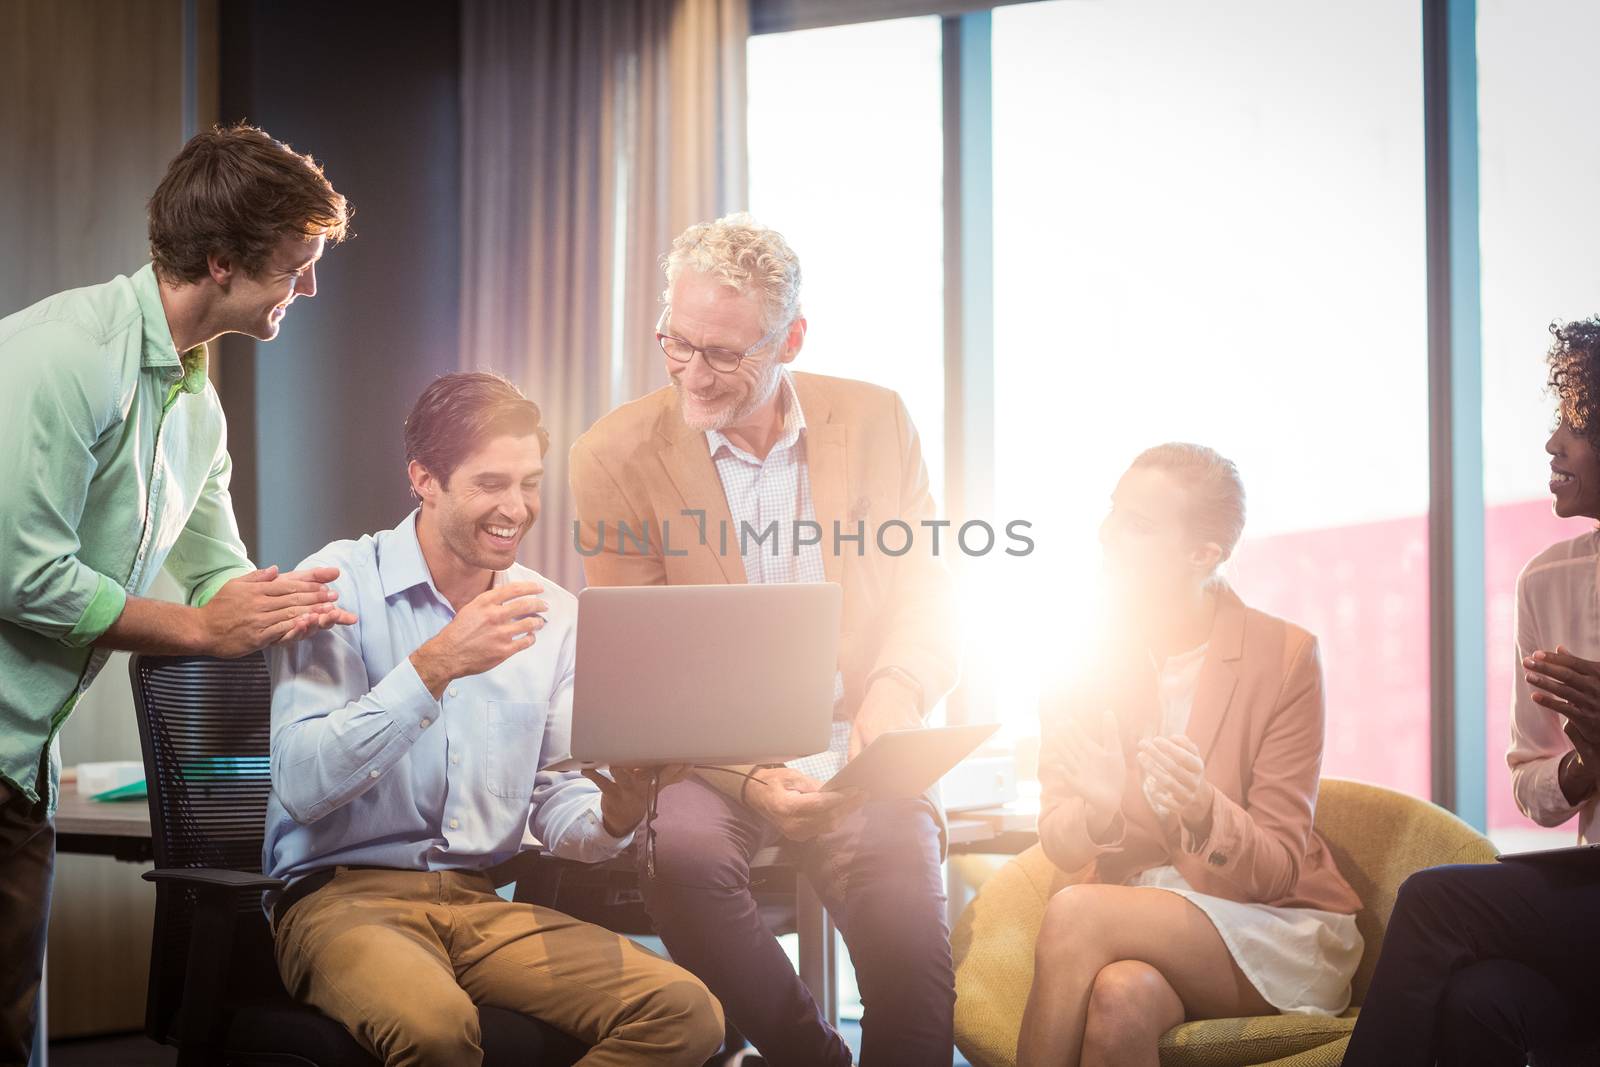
x=1179, y=785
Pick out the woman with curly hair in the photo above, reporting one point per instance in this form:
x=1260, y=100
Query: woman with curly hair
x=1486, y=964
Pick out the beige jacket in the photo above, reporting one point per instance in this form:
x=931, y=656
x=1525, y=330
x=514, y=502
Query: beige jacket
x=1258, y=721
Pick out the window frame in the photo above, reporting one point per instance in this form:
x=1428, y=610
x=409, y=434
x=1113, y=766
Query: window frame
x=1456, y=519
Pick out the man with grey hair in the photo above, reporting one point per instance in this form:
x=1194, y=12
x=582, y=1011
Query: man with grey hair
x=743, y=471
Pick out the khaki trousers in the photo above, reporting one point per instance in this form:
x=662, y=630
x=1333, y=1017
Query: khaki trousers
x=403, y=958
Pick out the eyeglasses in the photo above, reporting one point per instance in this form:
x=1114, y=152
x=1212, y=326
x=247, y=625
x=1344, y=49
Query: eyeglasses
x=721, y=360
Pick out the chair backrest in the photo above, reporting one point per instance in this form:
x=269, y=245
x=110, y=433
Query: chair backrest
x=1378, y=838
x=204, y=727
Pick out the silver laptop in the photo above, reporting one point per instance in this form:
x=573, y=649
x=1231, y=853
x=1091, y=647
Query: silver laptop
x=710, y=674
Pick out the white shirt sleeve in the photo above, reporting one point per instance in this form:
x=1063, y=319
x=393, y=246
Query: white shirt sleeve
x=1537, y=741
x=565, y=809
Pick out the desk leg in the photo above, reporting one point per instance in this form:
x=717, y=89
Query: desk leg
x=819, y=963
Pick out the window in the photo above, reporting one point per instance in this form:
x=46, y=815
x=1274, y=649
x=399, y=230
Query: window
x=1536, y=90
x=1208, y=229
x=846, y=161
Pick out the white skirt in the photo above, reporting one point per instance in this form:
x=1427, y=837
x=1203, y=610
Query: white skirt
x=1300, y=960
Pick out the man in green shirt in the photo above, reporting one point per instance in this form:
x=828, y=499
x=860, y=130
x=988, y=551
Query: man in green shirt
x=114, y=464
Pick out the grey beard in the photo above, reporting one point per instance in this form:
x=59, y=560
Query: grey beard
x=766, y=385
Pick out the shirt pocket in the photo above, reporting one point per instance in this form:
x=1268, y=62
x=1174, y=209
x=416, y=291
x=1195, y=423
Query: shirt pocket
x=514, y=737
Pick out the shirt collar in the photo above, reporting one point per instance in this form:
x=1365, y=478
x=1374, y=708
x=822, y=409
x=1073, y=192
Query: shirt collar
x=794, y=422
x=159, y=350
x=401, y=565
x=400, y=562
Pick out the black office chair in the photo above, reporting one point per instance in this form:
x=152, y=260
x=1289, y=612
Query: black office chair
x=214, y=988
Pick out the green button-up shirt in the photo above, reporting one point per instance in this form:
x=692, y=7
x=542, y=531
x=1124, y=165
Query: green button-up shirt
x=113, y=464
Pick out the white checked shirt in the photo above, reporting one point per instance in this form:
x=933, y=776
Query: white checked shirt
x=776, y=493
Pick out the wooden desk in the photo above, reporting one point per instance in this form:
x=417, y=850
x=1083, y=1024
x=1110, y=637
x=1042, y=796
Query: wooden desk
x=120, y=829
x=113, y=828
x=1000, y=831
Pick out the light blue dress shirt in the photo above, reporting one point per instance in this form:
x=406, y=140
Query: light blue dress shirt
x=369, y=770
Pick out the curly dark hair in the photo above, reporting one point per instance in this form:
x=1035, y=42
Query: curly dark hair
x=1574, y=360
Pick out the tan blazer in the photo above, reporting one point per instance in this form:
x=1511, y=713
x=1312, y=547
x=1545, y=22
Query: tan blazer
x=1258, y=721
x=642, y=465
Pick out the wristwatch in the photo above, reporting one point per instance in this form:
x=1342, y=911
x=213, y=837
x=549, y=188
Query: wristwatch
x=1571, y=765
x=901, y=675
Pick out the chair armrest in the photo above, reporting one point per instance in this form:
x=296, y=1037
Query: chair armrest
x=519, y=866
x=217, y=890
x=537, y=874
x=214, y=877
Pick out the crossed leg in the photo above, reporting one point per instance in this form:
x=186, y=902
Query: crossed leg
x=1115, y=967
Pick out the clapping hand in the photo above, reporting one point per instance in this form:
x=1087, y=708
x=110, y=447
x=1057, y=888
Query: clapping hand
x=1569, y=686
x=1091, y=760
x=1178, y=775
x=266, y=607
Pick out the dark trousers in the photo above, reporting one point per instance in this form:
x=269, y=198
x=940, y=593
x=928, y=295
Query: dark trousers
x=879, y=876
x=1485, y=965
x=27, y=863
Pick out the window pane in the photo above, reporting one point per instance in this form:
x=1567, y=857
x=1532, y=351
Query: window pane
x=1537, y=84
x=1209, y=227
x=846, y=160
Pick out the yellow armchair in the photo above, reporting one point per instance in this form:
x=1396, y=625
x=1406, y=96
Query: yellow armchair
x=1378, y=837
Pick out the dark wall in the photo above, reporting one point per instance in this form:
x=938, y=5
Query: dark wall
x=372, y=90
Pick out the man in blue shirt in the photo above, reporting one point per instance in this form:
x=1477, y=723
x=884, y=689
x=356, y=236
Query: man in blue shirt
x=406, y=756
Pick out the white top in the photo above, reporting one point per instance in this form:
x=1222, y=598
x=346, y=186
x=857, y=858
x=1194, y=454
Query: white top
x=1300, y=960
x=1556, y=605
x=1176, y=680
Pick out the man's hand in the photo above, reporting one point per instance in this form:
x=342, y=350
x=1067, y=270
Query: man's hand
x=265, y=608
x=494, y=626
x=625, y=796
x=796, y=804
x=889, y=705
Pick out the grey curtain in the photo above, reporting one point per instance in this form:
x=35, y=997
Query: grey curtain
x=592, y=133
